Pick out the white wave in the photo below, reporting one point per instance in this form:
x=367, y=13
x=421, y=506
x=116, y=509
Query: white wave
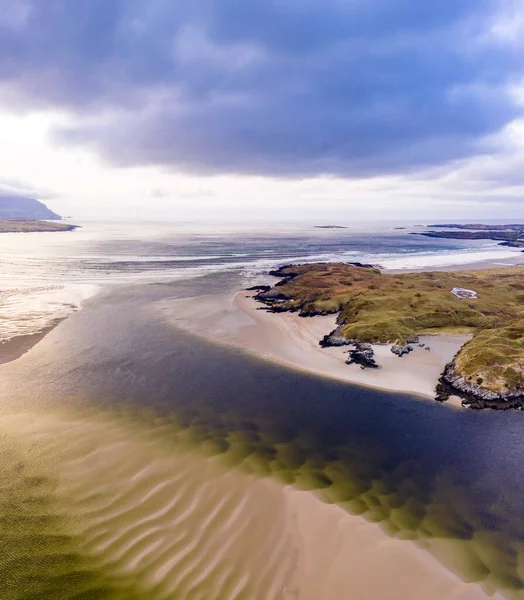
x=390, y=261
x=445, y=259
x=153, y=259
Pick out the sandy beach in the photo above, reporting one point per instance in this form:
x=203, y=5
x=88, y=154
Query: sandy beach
x=291, y=340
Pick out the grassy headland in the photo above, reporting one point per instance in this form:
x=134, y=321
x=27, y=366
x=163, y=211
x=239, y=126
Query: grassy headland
x=394, y=308
x=20, y=225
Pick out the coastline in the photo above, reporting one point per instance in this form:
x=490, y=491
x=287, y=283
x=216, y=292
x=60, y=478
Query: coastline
x=293, y=341
x=30, y=314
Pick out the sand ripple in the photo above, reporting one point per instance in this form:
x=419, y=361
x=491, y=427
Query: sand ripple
x=105, y=506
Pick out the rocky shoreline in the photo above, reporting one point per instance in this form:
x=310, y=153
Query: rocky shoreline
x=473, y=395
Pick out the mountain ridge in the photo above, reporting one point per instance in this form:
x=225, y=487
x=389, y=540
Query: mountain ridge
x=26, y=208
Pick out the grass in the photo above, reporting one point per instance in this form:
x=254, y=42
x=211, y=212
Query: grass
x=391, y=308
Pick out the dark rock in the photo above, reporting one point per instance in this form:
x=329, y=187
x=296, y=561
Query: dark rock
x=441, y=393
x=401, y=350
x=285, y=273
x=270, y=294
x=361, y=265
x=310, y=310
x=335, y=338
x=412, y=340
x=259, y=288
x=362, y=355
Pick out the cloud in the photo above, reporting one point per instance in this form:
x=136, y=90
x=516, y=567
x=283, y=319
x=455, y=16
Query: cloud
x=290, y=88
x=14, y=187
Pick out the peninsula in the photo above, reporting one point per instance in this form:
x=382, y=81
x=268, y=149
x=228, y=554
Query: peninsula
x=20, y=225
x=511, y=234
x=383, y=308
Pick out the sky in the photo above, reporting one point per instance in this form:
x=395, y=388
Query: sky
x=321, y=109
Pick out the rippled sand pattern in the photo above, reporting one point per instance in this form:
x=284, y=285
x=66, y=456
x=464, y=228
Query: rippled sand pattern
x=117, y=515
x=111, y=506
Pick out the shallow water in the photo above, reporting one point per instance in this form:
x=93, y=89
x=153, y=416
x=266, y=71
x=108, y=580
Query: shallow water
x=115, y=421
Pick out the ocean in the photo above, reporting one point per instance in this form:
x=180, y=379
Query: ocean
x=129, y=448
x=45, y=278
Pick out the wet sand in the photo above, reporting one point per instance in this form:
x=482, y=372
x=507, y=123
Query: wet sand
x=16, y=347
x=291, y=340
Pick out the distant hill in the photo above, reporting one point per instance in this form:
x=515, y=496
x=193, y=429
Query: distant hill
x=27, y=208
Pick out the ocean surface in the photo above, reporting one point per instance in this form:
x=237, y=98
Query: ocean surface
x=44, y=278
x=108, y=425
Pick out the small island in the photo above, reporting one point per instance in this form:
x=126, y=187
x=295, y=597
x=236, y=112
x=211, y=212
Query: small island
x=330, y=227
x=20, y=225
x=382, y=308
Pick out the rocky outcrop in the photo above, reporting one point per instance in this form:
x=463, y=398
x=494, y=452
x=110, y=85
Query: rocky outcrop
x=270, y=295
x=474, y=395
x=310, y=310
x=259, y=288
x=362, y=265
x=335, y=338
x=401, y=350
x=285, y=273
x=362, y=355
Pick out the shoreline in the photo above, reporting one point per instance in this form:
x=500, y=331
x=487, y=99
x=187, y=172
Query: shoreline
x=415, y=373
x=15, y=347
x=509, y=261
x=69, y=299
x=293, y=341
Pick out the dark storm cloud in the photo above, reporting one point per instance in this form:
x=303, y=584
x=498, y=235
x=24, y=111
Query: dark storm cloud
x=281, y=87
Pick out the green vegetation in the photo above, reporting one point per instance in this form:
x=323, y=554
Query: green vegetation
x=495, y=357
x=392, y=308
x=32, y=225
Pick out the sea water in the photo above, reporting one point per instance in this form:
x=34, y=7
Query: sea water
x=45, y=277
